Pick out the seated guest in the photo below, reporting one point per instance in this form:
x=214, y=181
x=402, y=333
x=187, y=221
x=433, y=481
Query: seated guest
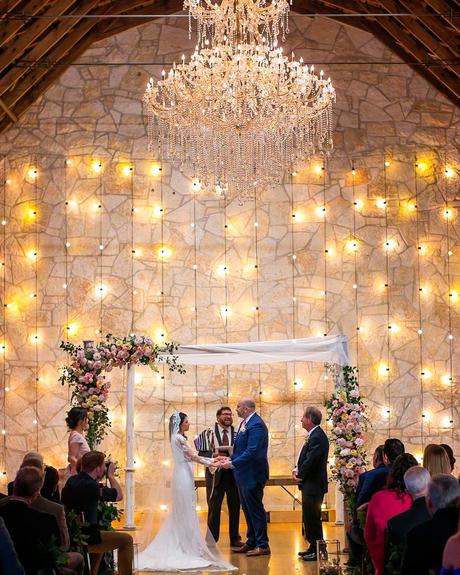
x=29, y=528
x=416, y=480
x=426, y=542
x=375, y=479
x=451, y=557
x=50, y=489
x=384, y=505
x=82, y=493
x=450, y=455
x=436, y=460
x=9, y=562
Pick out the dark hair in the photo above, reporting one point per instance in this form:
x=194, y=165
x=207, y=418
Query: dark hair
x=378, y=453
x=50, y=489
x=450, y=454
x=401, y=464
x=182, y=417
x=392, y=448
x=75, y=415
x=91, y=460
x=28, y=481
x=222, y=409
x=32, y=462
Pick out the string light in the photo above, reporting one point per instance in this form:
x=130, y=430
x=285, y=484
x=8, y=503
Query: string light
x=35, y=336
x=156, y=170
x=257, y=306
x=387, y=293
x=101, y=288
x=3, y=347
x=96, y=166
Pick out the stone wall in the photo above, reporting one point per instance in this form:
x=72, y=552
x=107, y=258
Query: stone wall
x=384, y=112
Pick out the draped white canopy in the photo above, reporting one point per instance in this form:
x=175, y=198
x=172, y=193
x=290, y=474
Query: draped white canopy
x=331, y=349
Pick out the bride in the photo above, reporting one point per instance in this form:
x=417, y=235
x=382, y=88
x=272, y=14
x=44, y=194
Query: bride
x=179, y=544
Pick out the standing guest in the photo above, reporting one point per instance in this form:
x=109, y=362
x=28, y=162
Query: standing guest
x=384, y=505
x=28, y=527
x=436, y=460
x=220, y=441
x=250, y=464
x=77, y=422
x=311, y=474
x=376, y=478
x=451, y=556
x=9, y=562
x=426, y=542
x=82, y=493
x=450, y=455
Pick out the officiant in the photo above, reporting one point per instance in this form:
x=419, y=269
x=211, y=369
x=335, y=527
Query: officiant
x=219, y=440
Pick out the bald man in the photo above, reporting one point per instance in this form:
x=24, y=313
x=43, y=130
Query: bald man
x=250, y=468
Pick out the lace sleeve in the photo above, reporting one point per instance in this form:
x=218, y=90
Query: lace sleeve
x=189, y=454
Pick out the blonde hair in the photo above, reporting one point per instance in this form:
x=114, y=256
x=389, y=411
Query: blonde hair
x=436, y=460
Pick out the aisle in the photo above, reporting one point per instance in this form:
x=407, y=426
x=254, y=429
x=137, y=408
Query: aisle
x=285, y=543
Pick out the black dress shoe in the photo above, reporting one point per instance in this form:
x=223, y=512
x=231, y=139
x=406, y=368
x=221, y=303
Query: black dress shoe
x=309, y=557
x=303, y=553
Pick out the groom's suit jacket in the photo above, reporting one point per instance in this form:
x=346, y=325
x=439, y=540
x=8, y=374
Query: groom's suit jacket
x=312, y=463
x=250, y=463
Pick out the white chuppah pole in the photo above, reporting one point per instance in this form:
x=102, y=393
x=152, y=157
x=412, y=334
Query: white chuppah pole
x=129, y=469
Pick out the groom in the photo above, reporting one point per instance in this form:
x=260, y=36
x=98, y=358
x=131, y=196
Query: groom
x=250, y=468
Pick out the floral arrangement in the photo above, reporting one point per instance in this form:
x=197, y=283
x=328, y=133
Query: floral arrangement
x=346, y=411
x=85, y=374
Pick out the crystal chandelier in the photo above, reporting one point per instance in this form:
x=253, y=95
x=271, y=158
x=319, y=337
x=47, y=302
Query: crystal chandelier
x=238, y=115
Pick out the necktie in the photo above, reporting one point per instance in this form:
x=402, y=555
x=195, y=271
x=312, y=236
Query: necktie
x=225, y=438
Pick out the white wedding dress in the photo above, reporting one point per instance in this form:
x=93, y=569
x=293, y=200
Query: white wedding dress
x=179, y=545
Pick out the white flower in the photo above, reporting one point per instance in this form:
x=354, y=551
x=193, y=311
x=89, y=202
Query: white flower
x=354, y=392
x=359, y=441
x=345, y=452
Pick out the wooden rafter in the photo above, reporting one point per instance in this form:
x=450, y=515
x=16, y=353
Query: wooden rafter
x=9, y=30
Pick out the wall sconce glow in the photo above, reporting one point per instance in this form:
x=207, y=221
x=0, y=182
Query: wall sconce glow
x=447, y=421
x=196, y=185
x=164, y=252
x=381, y=203
x=156, y=170
x=32, y=173
x=126, y=169
x=101, y=290
x=352, y=246
x=72, y=329
x=359, y=204
x=225, y=311
x=32, y=255
x=96, y=166
x=157, y=212
x=383, y=369
x=298, y=384
x=390, y=245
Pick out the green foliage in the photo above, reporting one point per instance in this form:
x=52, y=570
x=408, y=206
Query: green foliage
x=51, y=557
x=77, y=538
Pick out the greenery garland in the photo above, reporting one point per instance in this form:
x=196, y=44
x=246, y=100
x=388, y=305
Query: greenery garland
x=85, y=374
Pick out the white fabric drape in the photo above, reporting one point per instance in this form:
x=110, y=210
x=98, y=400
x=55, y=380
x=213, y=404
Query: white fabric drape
x=325, y=349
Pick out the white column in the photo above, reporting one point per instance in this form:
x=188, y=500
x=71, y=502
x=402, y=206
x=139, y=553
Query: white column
x=339, y=508
x=129, y=469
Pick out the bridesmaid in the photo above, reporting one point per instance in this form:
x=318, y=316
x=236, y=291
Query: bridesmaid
x=77, y=422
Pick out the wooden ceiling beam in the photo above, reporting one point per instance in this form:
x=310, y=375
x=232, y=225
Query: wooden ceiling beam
x=444, y=10
x=45, y=45
x=421, y=35
x=410, y=46
x=33, y=31
x=13, y=26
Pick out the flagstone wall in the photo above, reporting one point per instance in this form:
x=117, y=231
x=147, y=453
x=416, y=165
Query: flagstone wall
x=384, y=112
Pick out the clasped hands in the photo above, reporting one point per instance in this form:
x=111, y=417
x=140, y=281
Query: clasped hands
x=222, y=462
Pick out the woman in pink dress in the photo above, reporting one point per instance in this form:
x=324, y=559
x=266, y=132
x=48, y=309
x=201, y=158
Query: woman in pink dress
x=384, y=505
x=77, y=422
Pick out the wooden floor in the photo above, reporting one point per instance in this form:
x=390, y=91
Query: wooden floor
x=285, y=542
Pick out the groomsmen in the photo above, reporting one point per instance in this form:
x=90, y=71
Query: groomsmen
x=311, y=474
x=221, y=440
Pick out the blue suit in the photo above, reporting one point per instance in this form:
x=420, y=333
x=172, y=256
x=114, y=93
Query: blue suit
x=250, y=465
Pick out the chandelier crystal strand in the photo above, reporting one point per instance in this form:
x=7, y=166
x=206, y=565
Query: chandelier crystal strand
x=239, y=115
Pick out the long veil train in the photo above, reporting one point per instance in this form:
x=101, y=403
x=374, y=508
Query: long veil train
x=179, y=544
